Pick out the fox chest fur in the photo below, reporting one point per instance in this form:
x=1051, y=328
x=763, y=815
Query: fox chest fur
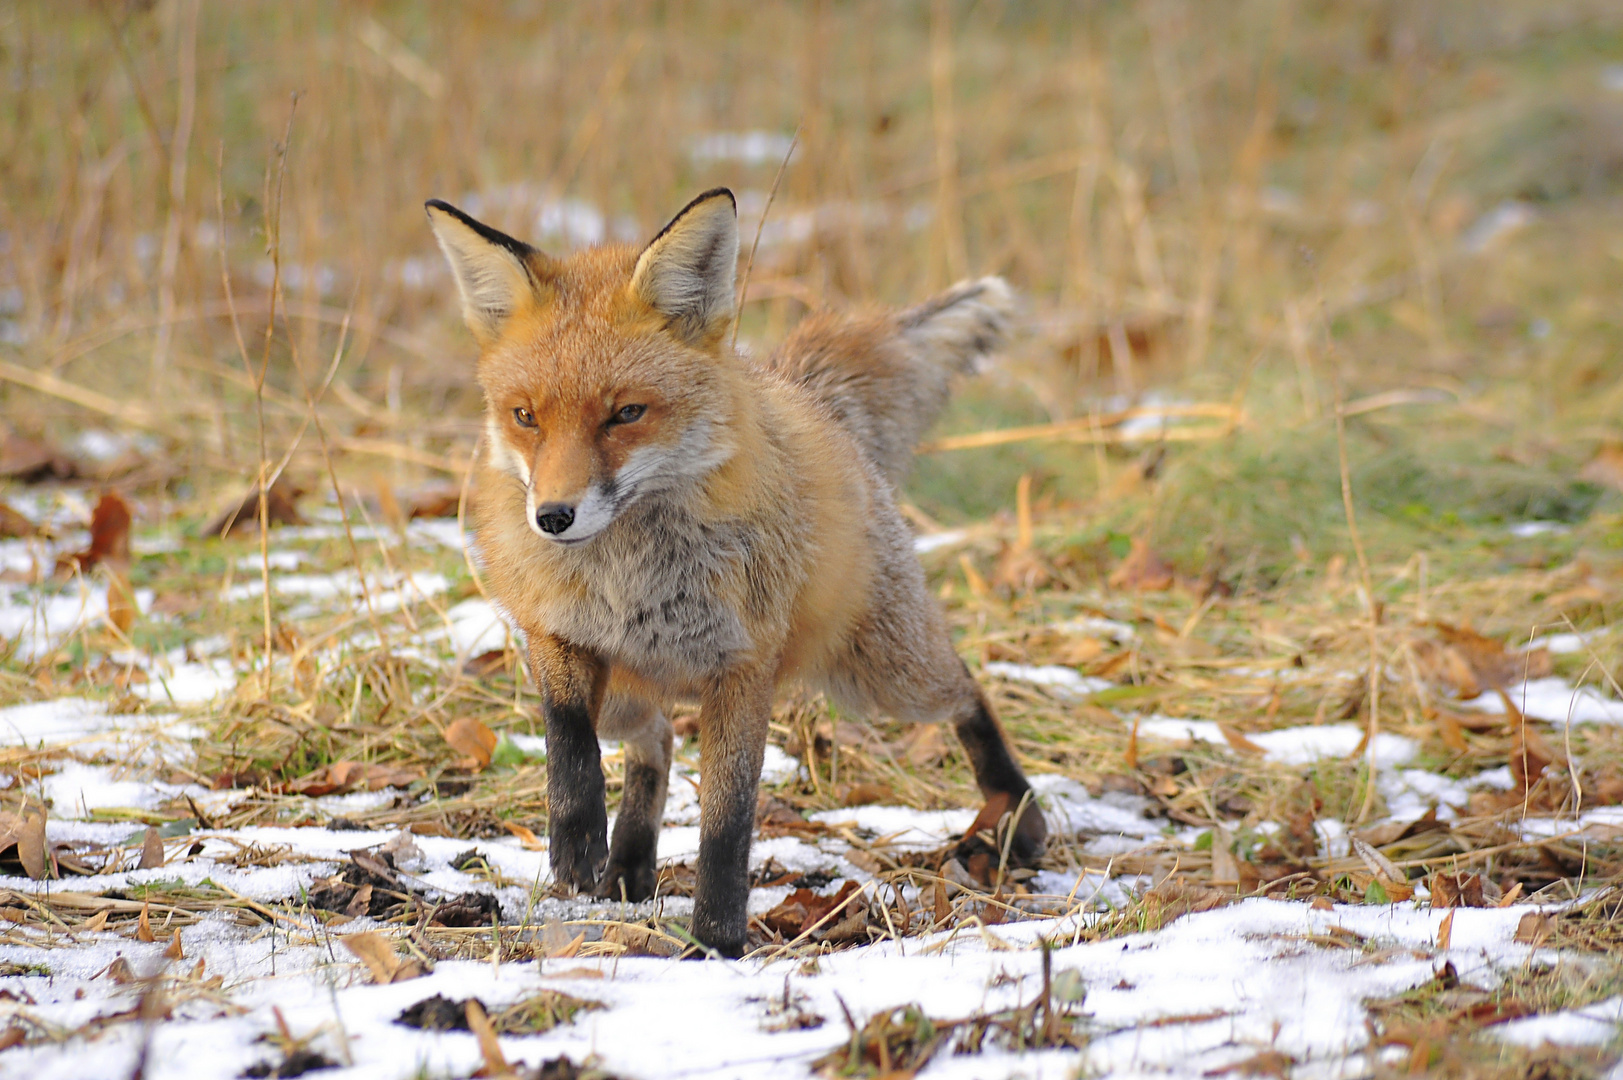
x=667, y=592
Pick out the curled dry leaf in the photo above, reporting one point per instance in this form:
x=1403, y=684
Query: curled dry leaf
x=378, y=955
x=27, y=834
x=470, y=737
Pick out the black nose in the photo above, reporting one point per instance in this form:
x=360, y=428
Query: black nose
x=554, y=518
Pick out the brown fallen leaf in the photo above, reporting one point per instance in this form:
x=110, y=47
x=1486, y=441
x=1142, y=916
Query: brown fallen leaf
x=361, y=903
x=487, y=664
x=1142, y=570
x=174, y=951
x=1535, y=928
x=1489, y=662
x=281, y=505
x=28, y=835
x=1456, y=890
x=15, y=524
x=151, y=850
x=1445, y=931
x=866, y=794
x=120, y=971
x=802, y=909
x=143, y=929
x=489, y=1047
x=95, y=924
x=379, y=957
x=109, y=538
x=569, y=949
x=526, y=839
x=1237, y=740
x=469, y=736
x=341, y=776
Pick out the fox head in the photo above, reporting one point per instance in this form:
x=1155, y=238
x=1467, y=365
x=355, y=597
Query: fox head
x=606, y=375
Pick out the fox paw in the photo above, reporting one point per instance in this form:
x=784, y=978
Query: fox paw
x=631, y=881
x=576, y=861
x=980, y=851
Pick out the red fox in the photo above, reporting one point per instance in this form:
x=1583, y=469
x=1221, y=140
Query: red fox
x=665, y=519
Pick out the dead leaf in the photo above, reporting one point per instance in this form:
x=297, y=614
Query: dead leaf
x=1535, y=928
x=379, y=957
x=1142, y=570
x=1378, y=864
x=1489, y=661
x=174, y=951
x=1445, y=931
x=1456, y=890
x=569, y=949
x=109, y=538
x=469, y=736
x=527, y=839
x=120, y=971
x=151, y=850
x=802, y=909
x=341, y=776
x=361, y=903
x=866, y=794
x=15, y=524
x=29, y=836
x=487, y=664
x=489, y=1047
x=1238, y=741
x=96, y=923
x=143, y=929
x=281, y=506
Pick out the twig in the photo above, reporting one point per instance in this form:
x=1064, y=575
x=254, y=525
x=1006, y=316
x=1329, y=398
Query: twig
x=1369, y=599
x=749, y=265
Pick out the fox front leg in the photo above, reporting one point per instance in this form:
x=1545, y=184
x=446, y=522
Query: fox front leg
x=571, y=683
x=733, y=719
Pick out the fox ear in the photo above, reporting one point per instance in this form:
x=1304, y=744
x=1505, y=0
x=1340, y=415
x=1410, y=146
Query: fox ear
x=686, y=273
x=494, y=272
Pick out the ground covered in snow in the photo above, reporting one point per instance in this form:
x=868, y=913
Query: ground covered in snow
x=222, y=868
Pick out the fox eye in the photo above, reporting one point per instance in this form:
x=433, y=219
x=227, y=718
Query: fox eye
x=628, y=414
x=524, y=416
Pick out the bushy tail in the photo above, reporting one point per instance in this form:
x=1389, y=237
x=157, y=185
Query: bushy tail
x=887, y=376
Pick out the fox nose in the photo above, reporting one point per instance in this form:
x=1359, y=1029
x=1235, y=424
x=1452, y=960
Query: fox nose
x=554, y=518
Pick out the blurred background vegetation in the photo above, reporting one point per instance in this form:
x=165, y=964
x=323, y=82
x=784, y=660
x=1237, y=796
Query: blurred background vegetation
x=1410, y=207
